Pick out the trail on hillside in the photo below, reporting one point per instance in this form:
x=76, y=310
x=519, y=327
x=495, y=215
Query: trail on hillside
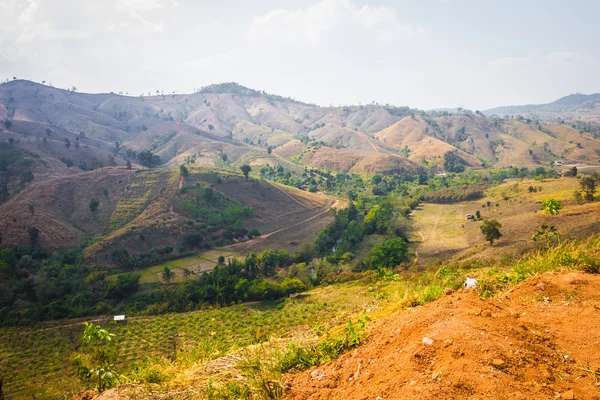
x=179, y=186
x=262, y=237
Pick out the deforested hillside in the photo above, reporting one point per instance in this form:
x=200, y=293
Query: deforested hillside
x=249, y=126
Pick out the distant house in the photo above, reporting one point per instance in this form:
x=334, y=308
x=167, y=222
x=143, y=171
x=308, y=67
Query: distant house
x=120, y=318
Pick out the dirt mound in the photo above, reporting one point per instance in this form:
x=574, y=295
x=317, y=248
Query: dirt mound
x=538, y=341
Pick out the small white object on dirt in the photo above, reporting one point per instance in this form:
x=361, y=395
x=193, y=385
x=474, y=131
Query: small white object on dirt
x=427, y=341
x=470, y=283
x=314, y=374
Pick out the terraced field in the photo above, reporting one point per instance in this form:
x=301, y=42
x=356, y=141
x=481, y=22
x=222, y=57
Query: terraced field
x=138, y=195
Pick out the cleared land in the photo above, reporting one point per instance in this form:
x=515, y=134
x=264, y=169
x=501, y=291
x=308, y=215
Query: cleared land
x=448, y=234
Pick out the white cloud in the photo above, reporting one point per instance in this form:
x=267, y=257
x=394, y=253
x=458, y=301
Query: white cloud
x=512, y=61
x=27, y=14
x=324, y=17
x=562, y=56
x=213, y=61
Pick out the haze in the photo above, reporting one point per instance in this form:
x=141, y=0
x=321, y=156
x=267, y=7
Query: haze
x=424, y=54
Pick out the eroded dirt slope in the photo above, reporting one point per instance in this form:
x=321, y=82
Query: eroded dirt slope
x=538, y=341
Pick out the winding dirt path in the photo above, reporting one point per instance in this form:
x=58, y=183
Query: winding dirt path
x=179, y=186
x=288, y=227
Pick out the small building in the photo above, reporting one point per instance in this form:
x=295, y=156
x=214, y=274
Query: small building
x=120, y=318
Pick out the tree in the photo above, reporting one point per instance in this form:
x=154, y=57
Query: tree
x=111, y=161
x=95, y=366
x=183, y=171
x=269, y=150
x=491, y=230
x=246, y=170
x=34, y=234
x=389, y=254
x=31, y=207
x=588, y=186
x=546, y=235
x=167, y=274
x=221, y=260
x=128, y=164
x=94, y=203
x=551, y=207
x=186, y=273
x=574, y=171
x=67, y=143
x=224, y=157
x=77, y=144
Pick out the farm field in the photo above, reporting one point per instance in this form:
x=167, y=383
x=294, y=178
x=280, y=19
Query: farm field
x=196, y=264
x=41, y=366
x=447, y=234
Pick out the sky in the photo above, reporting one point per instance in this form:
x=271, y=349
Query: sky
x=426, y=54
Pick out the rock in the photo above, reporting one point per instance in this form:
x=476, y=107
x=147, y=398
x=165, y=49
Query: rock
x=447, y=342
x=541, y=286
x=496, y=362
x=448, y=291
x=427, y=341
x=568, y=395
x=486, y=313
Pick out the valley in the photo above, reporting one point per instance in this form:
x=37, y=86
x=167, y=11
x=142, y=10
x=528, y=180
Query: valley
x=249, y=237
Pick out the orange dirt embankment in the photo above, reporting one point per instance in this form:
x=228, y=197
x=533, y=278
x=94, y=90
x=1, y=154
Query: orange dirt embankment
x=540, y=340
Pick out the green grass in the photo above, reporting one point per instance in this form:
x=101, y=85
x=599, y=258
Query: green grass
x=199, y=263
x=36, y=362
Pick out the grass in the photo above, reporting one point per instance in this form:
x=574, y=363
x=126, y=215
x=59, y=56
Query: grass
x=243, y=350
x=35, y=361
x=197, y=264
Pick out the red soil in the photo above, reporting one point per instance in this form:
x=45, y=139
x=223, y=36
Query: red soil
x=540, y=340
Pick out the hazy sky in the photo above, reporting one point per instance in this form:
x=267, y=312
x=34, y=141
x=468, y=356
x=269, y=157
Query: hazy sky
x=422, y=53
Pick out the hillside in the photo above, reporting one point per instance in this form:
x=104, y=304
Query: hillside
x=573, y=106
x=253, y=127
x=536, y=341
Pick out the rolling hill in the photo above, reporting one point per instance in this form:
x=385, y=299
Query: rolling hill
x=76, y=146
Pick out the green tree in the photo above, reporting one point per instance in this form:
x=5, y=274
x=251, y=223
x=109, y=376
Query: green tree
x=94, y=367
x=167, y=274
x=183, y=171
x=389, y=254
x=67, y=143
x=547, y=235
x=128, y=164
x=187, y=273
x=94, y=203
x=551, y=207
x=34, y=234
x=246, y=170
x=491, y=230
x=588, y=186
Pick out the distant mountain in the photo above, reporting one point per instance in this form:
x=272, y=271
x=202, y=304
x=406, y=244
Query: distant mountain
x=59, y=148
x=568, y=103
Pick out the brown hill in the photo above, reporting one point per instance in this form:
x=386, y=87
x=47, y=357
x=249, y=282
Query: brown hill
x=537, y=341
x=167, y=124
x=61, y=208
x=414, y=134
